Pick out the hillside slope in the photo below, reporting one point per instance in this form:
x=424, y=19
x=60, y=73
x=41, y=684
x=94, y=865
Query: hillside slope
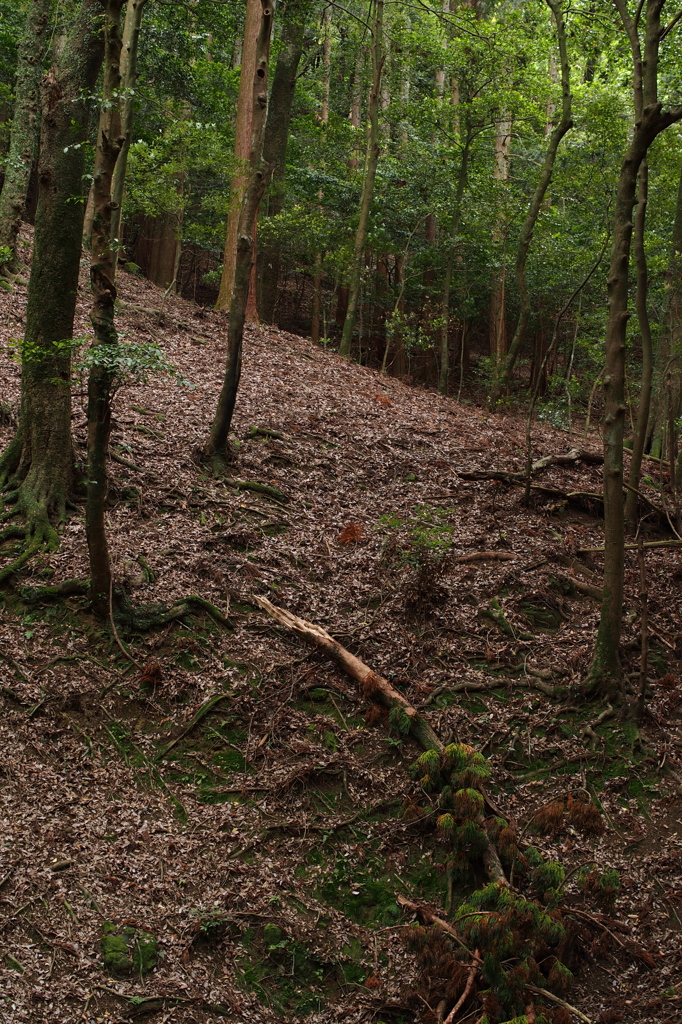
x=265, y=849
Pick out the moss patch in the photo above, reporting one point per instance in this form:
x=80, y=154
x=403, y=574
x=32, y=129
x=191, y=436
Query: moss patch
x=128, y=950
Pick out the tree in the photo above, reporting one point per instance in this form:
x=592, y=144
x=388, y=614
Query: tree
x=110, y=141
x=371, y=163
x=25, y=128
x=275, y=143
x=504, y=371
x=256, y=184
x=242, y=150
x=650, y=120
x=36, y=469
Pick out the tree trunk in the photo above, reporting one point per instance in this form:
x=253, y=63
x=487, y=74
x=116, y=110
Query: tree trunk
x=256, y=185
x=605, y=673
x=38, y=463
x=275, y=147
x=110, y=140
x=129, y=52
x=373, y=150
x=504, y=372
x=497, y=329
x=647, y=354
x=324, y=119
x=25, y=127
x=668, y=363
x=242, y=149
x=450, y=266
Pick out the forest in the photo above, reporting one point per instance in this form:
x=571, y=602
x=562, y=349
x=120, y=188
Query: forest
x=340, y=511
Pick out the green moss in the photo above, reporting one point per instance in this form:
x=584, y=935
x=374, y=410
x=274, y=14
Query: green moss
x=128, y=951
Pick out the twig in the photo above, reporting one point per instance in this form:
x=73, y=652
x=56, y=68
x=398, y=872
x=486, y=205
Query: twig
x=633, y=547
x=207, y=706
x=644, y=657
x=560, y=1002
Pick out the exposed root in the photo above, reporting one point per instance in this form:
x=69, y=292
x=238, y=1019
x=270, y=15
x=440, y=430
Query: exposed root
x=38, y=534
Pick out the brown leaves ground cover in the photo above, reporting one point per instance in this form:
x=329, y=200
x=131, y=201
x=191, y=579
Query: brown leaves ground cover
x=279, y=806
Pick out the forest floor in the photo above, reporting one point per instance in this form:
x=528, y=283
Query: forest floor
x=237, y=805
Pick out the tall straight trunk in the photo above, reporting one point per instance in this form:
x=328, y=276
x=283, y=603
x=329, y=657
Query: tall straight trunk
x=647, y=353
x=257, y=182
x=110, y=141
x=650, y=120
x=373, y=150
x=497, y=327
x=316, y=312
x=242, y=149
x=449, y=269
x=38, y=462
x=504, y=372
x=25, y=127
x=275, y=147
x=129, y=52
x=668, y=362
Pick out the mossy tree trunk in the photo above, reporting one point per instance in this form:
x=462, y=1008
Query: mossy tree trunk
x=650, y=120
x=371, y=164
x=102, y=272
x=25, y=127
x=504, y=370
x=217, y=448
x=275, y=145
x=36, y=468
x=450, y=267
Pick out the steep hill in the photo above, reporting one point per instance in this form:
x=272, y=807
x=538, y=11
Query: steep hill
x=238, y=800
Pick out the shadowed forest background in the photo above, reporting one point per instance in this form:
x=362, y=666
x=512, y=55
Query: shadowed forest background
x=340, y=511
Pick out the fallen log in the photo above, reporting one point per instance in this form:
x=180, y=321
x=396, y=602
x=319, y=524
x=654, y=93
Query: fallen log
x=483, y=556
x=378, y=688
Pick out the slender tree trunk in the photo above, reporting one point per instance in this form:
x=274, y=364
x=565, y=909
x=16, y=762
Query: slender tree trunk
x=25, y=127
x=605, y=673
x=38, y=463
x=449, y=269
x=242, y=149
x=275, y=147
x=110, y=141
x=256, y=185
x=373, y=150
x=631, y=498
x=668, y=362
x=129, y=52
x=504, y=373
x=316, y=311
x=497, y=330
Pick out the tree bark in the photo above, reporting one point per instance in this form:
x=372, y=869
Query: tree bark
x=25, y=127
x=275, y=147
x=668, y=362
x=129, y=52
x=110, y=141
x=504, y=372
x=647, y=353
x=449, y=268
x=605, y=673
x=38, y=463
x=497, y=329
x=256, y=185
x=242, y=149
x=373, y=150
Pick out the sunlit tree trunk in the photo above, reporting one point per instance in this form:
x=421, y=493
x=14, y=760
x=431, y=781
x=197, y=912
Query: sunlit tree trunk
x=257, y=182
x=129, y=52
x=449, y=269
x=25, y=127
x=497, y=327
x=242, y=149
x=372, y=161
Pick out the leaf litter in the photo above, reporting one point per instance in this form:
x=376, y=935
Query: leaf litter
x=280, y=807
